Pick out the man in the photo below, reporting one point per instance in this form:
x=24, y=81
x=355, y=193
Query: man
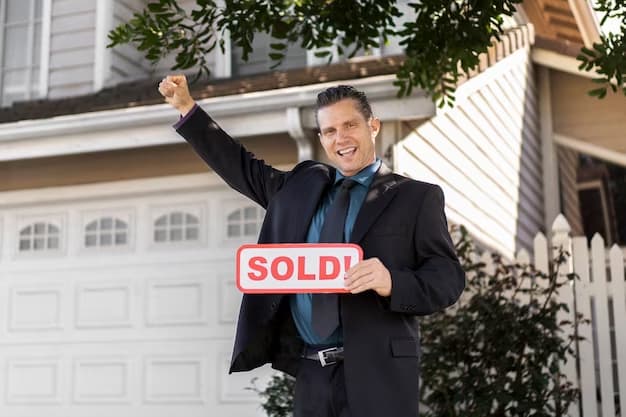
x=368, y=338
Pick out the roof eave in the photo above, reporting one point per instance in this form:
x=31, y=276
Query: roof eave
x=248, y=114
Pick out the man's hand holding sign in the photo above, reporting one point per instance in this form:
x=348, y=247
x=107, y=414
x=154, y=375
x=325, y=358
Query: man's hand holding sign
x=298, y=268
x=349, y=254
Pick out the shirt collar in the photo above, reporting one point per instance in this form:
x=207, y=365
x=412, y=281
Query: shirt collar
x=364, y=176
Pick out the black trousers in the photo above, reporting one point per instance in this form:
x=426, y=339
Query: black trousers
x=320, y=391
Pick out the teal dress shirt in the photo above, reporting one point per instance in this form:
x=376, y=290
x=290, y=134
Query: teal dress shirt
x=301, y=303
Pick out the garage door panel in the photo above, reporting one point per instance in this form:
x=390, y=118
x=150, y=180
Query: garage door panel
x=175, y=379
x=178, y=302
x=104, y=305
x=35, y=308
x=153, y=302
x=102, y=380
x=135, y=379
x=229, y=299
x=131, y=311
x=33, y=380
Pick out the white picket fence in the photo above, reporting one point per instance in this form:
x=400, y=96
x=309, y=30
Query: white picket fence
x=599, y=295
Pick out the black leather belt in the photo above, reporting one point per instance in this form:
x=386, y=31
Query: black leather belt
x=326, y=356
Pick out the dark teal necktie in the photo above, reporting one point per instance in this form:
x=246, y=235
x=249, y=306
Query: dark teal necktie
x=325, y=307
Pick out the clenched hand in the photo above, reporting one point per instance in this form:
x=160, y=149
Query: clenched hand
x=176, y=92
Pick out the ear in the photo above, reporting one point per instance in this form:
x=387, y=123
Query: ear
x=375, y=126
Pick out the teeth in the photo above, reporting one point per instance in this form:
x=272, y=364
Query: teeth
x=345, y=151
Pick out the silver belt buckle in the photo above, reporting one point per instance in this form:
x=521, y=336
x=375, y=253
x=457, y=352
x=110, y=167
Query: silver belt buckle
x=322, y=355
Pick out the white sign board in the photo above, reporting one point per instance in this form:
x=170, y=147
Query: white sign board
x=295, y=268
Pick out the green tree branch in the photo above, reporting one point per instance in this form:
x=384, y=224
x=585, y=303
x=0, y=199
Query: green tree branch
x=442, y=43
x=608, y=57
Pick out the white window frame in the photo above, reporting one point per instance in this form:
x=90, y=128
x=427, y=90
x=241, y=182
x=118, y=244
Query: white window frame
x=228, y=206
x=57, y=220
x=196, y=209
x=44, y=58
x=125, y=215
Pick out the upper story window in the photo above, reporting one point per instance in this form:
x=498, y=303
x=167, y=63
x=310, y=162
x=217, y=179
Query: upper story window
x=259, y=60
x=39, y=236
x=106, y=232
x=20, y=49
x=176, y=226
x=244, y=222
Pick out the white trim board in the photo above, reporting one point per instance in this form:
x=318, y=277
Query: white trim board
x=594, y=150
x=554, y=60
x=114, y=189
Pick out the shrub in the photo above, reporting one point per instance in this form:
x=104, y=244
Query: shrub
x=498, y=352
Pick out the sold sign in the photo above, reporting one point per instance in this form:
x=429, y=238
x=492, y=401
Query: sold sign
x=295, y=267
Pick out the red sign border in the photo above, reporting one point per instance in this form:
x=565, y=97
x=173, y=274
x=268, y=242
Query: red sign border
x=286, y=246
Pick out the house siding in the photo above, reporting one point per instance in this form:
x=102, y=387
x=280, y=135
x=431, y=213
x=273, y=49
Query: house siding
x=72, y=42
x=580, y=116
x=485, y=154
x=126, y=61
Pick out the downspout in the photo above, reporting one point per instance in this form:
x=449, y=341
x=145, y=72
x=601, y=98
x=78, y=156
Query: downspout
x=550, y=163
x=299, y=134
x=102, y=54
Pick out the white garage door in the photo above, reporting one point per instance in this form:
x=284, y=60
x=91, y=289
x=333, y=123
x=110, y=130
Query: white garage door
x=119, y=300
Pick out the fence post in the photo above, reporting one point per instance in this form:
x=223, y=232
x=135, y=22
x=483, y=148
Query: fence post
x=580, y=253
x=561, y=238
x=616, y=257
x=526, y=284
x=603, y=330
x=540, y=249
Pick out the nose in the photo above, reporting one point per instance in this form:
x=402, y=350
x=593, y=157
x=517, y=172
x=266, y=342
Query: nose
x=342, y=132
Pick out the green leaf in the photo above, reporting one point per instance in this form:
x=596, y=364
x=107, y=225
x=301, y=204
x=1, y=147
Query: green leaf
x=156, y=7
x=278, y=46
x=598, y=92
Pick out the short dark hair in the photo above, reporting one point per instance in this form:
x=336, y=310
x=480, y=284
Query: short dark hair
x=333, y=95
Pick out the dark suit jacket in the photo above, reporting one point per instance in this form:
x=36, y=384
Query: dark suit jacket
x=402, y=222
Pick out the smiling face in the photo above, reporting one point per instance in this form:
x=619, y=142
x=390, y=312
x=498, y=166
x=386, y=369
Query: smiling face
x=347, y=137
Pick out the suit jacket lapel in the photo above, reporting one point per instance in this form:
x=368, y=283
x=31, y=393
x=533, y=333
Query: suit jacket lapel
x=379, y=195
x=303, y=207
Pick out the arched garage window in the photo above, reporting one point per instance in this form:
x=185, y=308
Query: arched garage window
x=176, y=226
x=39, y=236
x=106, y=232
x=244, y=222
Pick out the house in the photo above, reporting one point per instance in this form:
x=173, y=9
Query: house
x=117, y=243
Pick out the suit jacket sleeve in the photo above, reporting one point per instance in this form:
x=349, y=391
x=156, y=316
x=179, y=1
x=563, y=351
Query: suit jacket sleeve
x=439, y=279
x=230, y=160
